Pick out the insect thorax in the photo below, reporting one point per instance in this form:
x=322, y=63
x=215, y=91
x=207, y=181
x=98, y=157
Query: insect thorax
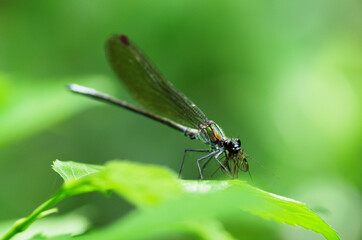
x=211, y=133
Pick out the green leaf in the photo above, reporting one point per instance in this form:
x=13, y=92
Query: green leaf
x=167, y=205
x=210, y=200
x=72, y=171
x=240, y=195
x=145, y=186
x=128, y=179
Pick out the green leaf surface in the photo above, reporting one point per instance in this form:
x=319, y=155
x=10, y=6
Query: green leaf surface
x=212, y=200
x=145, y=186
x=240, y=195
x=169, y=206
x=142, y=185
x=72, y=171
x=128, y=179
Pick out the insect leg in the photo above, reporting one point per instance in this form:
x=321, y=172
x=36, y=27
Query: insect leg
x=183, y=159
x=222, y=165
x=204, y=157
x=208, y=161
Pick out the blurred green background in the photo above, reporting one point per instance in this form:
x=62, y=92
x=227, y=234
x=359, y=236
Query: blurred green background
x=284, y=77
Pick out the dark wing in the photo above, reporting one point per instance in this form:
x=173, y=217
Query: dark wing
x=148, y=87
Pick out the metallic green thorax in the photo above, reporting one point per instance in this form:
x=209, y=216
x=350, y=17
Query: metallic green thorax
x=211, y=134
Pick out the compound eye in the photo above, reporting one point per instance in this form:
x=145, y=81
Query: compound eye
x=238, y=141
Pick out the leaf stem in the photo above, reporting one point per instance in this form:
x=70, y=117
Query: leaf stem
x=23, y=223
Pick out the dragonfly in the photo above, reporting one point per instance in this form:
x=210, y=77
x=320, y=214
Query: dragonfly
x=162, y=102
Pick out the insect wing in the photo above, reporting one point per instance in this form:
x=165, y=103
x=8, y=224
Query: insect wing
x=148, y=87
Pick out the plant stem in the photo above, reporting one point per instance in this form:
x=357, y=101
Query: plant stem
x=24, y=223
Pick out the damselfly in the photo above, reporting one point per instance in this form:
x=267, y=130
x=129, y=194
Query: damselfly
x=161, y=101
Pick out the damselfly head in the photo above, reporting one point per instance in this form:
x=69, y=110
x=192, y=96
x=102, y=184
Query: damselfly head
x=233, y=146
x=235, y=159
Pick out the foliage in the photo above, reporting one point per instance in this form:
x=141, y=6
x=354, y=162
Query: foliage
x=167, y=205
